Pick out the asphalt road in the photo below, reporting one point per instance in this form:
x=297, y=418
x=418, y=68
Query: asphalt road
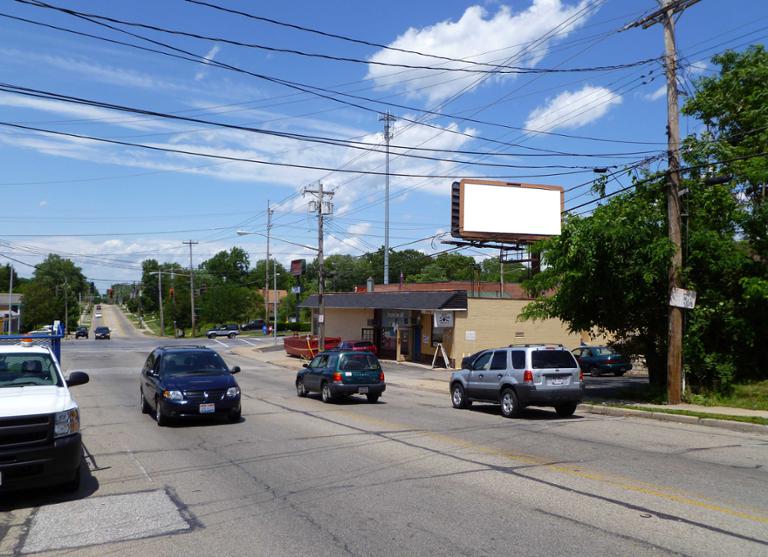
x=407, y=476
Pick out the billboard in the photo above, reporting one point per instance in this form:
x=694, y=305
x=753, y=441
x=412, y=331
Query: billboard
x=298, y=267
x=505, y=212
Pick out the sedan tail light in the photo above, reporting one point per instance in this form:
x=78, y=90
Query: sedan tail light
x=337, y=377
x=527, y=376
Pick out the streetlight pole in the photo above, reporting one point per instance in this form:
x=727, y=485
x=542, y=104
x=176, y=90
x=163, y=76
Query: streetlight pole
x=387, y=118
x=266, y=265
x=10, y=297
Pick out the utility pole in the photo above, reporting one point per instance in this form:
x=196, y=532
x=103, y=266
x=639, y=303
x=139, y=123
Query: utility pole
x=10, y=295
x=191, y=284
x=387, y=118
x=664, y=15
x=266, y=266
x=160, y=299
x=322, y=207
x=274, y=301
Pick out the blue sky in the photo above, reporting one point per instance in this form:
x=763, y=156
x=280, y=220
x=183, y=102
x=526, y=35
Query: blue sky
x=109, y=206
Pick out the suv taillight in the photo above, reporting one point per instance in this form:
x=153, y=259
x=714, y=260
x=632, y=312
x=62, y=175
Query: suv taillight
x=527, y=376
x=337, y=377
x=381, y=376
x=581, y=375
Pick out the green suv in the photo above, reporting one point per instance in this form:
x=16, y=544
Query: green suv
x=341, y=373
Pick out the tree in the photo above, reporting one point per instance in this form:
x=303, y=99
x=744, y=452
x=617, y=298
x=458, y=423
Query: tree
x=225, y=303
x=54, y=288
x=608, y=271
x=230, y=266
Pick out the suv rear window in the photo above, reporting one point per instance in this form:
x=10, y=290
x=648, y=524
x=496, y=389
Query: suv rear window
x=551, y=359
x=363, y=344
x=359, y=361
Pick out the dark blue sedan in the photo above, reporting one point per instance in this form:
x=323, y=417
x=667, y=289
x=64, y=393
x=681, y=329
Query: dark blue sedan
x=179, y=381
x=601, y=359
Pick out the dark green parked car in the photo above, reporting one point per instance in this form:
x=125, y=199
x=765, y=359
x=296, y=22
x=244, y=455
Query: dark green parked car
x=341, y=373
x=601, y=359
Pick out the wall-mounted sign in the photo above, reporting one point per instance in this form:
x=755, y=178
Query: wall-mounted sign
x=295, y=289
x=681, y=298
x=443, y=319
x=470, y=335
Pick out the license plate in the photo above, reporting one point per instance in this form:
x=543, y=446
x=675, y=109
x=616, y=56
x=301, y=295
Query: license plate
x=556, y=381
x=362, y=390
x=207, y=408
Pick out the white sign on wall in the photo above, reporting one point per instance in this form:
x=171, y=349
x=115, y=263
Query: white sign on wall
x=443, y=319
x=470, y=335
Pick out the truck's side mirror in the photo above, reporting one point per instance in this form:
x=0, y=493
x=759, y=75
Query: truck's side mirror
x=77, y=378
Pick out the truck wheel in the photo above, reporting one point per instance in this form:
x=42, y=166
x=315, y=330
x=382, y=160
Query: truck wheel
x=74, y=483
x=459, y=397
x=510, y=407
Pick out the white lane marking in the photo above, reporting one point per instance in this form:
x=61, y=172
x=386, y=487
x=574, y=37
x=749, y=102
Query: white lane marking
x=246, y=342
x=140, y=465
x=214, y=339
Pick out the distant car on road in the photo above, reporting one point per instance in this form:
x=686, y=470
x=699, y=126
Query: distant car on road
x=97, y=316
x=601, y=359
x=253, y=325
x=342, y=373
x=518, y=376
x=358, y=346
x=101, y=333
x=81, y=332
x=230, y=331
x=180, y=381
x=98, y=307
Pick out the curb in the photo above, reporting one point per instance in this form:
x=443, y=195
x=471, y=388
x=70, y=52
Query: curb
x=743, y=427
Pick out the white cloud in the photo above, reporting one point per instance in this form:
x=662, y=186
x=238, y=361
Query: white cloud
x=483, y=38
x=657, y=94
x=208, y=57
x=572, y=109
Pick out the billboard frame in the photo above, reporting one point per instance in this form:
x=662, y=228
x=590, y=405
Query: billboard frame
x=458, y=205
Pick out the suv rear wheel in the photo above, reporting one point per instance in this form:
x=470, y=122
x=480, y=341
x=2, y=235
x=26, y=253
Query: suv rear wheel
x=325, y=393
x=565, y=410
x=510, y=406
x=231, y=335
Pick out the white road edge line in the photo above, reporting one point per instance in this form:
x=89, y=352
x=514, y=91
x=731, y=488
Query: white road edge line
x=246, y=342
x=217, y=340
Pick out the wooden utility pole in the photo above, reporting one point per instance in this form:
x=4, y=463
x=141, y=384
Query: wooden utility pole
x=322, y=208
x=191, y=284
x=664, y=16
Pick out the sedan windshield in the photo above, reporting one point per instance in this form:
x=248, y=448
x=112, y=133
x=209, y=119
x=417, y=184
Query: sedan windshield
x=25, y=369
x=604, y=351
x=191, y=363
x=360, y=361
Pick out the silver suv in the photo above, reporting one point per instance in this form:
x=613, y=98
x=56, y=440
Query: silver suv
x=519, y=376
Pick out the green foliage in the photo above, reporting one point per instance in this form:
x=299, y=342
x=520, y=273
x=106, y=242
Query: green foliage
x=54, y=288
x=225, y=303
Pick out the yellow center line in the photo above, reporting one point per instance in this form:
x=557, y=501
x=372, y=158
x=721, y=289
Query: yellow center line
x=628, y=484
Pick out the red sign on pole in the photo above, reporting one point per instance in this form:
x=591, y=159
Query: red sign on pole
x=298, y=267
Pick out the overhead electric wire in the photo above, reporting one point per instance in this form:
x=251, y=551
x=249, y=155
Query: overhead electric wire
x=496, y=68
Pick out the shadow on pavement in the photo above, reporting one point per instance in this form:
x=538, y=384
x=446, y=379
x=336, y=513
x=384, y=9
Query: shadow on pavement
x=52, y=495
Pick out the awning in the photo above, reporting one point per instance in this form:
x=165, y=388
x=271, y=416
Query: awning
x=422, y=301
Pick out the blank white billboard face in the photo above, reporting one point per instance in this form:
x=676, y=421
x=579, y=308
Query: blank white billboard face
x=510, y=210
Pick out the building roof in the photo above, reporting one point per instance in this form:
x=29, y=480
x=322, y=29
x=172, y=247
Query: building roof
x=443, y=300
x=474, y=289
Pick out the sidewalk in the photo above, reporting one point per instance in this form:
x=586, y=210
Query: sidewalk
x=422, y=377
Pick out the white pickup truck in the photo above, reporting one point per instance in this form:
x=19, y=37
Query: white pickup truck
x=40, y=441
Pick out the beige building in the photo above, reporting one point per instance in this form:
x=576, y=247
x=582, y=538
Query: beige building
x=421, y=322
